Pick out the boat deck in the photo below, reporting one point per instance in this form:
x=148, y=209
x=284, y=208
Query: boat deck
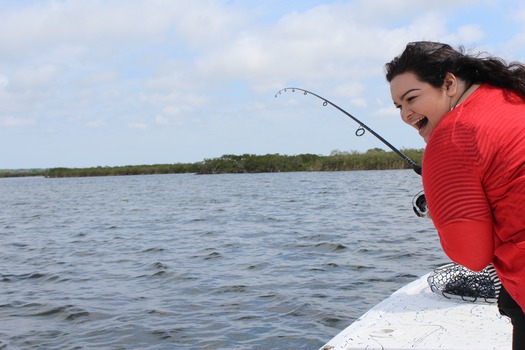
x=416, y=318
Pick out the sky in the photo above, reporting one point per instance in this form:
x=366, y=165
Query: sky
x=130, y=82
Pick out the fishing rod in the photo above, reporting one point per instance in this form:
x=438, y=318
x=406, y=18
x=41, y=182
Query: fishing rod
x=362, y=126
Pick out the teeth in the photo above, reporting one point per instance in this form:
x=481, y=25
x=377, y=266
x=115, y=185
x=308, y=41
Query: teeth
x=417, y=121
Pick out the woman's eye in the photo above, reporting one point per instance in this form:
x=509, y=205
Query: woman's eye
x=411, y=98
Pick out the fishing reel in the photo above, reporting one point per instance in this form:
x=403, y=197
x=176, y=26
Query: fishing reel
x=419, y=204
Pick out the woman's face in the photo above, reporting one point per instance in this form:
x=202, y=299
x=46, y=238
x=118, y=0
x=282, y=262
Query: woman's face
x=421, y=105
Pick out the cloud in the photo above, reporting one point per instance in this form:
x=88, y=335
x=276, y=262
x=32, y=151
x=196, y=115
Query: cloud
x=3, y=82
x=201, y=67
x=12, y=122
x=175, y=116
x=386, y=112
x=324, y=43
x=465, y=35
x=99, y=78
x=35, y=76
x=138, y=125
x=95, y=124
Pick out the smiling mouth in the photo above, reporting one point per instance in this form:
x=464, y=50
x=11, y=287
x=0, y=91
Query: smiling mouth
x=420, y=123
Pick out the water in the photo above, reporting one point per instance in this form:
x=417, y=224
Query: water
x=251, y=261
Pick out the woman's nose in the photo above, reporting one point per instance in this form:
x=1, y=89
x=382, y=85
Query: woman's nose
x=405, y=114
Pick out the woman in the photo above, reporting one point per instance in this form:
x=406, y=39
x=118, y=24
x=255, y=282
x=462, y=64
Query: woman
x=470, y=110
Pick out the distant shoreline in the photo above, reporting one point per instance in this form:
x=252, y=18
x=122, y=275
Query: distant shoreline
x=373, y=159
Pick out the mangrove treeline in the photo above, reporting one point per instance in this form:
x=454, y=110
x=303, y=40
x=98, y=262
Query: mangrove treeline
x=373, y=159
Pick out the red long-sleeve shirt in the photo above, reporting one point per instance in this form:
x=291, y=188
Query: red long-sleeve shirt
x=474, y=181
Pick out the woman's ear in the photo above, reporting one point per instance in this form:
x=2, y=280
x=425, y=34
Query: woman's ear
x=450, y=84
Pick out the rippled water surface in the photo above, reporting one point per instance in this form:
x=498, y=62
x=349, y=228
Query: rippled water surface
x=247, y=261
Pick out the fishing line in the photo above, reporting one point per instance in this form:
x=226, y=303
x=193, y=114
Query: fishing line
x=451, y=280
x=361, y=129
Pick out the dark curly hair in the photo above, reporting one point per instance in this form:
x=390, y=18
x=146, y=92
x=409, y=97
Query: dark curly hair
x=431, y=61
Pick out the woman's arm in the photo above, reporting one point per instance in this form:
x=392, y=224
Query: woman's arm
x=468, y=243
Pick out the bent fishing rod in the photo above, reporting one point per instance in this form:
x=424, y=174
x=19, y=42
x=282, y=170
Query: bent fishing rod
x=362, y=126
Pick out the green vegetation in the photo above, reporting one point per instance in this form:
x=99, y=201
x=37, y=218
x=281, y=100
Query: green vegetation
x=124, y=170
x=373, y=159
x=23, y=172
